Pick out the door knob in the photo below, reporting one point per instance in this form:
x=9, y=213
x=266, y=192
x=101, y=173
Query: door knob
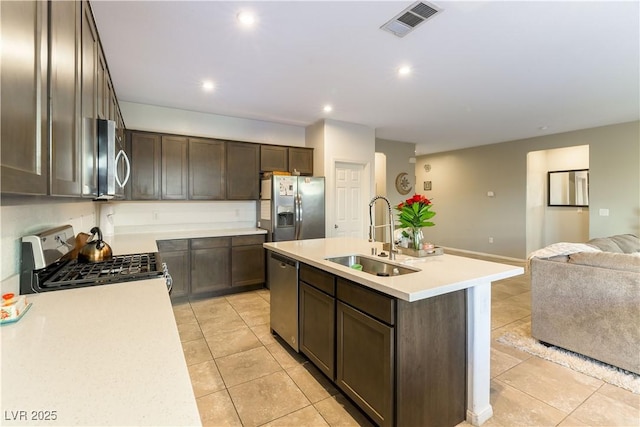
x=335, y=225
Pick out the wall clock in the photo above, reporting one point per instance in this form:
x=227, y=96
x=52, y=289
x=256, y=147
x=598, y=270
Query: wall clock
x=403, y=185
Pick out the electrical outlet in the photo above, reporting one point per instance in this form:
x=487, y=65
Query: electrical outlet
x=490, y=239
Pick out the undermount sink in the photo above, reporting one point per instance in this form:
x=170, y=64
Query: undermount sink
x=372, y=265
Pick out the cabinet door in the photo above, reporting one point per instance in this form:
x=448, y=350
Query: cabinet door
x=145, y=166
x=175, y=168
x=273, y=158
x=364, y=361
x=210, y=265
x=91, y=84
x=178, y=265
x=207, y=169
x=65, y=31
x=243, y=174
x=301, y=160
x=247, y=265
x=23, y=88
x=317, y=328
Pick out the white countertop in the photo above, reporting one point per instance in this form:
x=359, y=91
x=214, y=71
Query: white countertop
x=438, y=274
x=146, y=242
x=104, y=355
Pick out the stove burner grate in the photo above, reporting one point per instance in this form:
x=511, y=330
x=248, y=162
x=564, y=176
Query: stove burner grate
x=120, y=268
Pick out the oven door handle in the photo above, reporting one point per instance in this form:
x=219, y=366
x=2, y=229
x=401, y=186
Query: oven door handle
x=167, y=277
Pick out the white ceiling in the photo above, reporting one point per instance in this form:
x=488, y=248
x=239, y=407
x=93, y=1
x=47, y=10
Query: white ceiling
x=483, y=71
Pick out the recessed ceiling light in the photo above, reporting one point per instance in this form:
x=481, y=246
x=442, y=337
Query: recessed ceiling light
x=327, y=108
x=247, y=19
x=208, y=85
x=405, y=70
x=544, y=127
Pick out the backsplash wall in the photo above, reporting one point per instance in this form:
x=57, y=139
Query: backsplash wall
x=21, y=220
x=140, y=217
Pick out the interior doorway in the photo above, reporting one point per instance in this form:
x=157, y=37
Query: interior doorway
x=552, y=224
x=349, y=204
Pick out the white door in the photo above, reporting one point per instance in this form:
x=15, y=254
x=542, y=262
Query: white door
x=349, y=204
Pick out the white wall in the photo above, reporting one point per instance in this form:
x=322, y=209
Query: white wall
x=340, y=142
x=171, y=120
x=21, y=220
x=141, y=217
x=466, y=217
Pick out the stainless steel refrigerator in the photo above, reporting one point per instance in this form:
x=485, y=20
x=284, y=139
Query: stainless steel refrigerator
x=292, y=207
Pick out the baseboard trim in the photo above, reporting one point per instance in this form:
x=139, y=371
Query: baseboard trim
x=484, y=254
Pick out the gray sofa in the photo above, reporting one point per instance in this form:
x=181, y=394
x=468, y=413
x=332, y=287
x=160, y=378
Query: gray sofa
x=589, y=302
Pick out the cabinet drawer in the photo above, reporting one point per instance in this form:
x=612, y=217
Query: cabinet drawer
x=173, y=245
x=253, y=239
x=324, y=281
x=368, y=301
x=210, y=242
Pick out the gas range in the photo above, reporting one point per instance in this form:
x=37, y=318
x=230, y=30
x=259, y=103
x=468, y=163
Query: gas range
x=44, y=267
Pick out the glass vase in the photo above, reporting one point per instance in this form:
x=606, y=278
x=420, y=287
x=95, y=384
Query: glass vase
x=418, y=238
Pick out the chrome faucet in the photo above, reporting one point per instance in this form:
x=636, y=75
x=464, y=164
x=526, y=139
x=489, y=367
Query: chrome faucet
x=372, y=228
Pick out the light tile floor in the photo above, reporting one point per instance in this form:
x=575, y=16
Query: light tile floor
x=243, y=376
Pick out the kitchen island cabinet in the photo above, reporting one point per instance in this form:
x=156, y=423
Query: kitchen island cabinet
x=317, y=311
x=426, y=334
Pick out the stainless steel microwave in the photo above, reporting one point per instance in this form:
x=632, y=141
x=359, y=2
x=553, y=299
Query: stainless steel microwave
x=113, y=166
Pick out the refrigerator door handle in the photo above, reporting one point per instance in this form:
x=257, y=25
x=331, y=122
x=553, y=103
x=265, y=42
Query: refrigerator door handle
x=298, y=216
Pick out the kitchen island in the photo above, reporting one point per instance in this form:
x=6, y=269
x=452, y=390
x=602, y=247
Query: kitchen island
x=447, y=295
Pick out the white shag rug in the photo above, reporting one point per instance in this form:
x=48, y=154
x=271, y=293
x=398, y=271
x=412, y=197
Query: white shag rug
x=520, y=338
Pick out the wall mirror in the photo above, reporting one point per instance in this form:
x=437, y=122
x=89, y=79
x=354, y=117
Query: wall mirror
x=568, y=188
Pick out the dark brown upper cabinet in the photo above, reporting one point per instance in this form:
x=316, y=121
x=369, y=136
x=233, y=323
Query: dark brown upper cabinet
x=65, y=109
x=145, y=149
x=274, y=158
x=175, y=168
x=90, y=90
x=301, y=160
x=24, y=88
x=49, y=133
x=207, y=171
x=243, y=177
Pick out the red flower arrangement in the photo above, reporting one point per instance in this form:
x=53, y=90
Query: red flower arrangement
x=415, y=213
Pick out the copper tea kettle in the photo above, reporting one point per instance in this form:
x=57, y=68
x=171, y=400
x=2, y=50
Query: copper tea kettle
x=95, y=250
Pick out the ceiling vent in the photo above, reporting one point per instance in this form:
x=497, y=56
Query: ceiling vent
x=407, y=20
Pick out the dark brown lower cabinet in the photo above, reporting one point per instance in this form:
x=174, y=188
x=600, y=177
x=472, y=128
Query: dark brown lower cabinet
x=247, y=260
x=210, y=264
x=317, y=327
x=365, y=362
x=402, y=363
x=175, y=253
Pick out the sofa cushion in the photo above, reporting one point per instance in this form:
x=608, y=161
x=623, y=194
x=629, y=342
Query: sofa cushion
x=613, y=261
x=622, y=243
